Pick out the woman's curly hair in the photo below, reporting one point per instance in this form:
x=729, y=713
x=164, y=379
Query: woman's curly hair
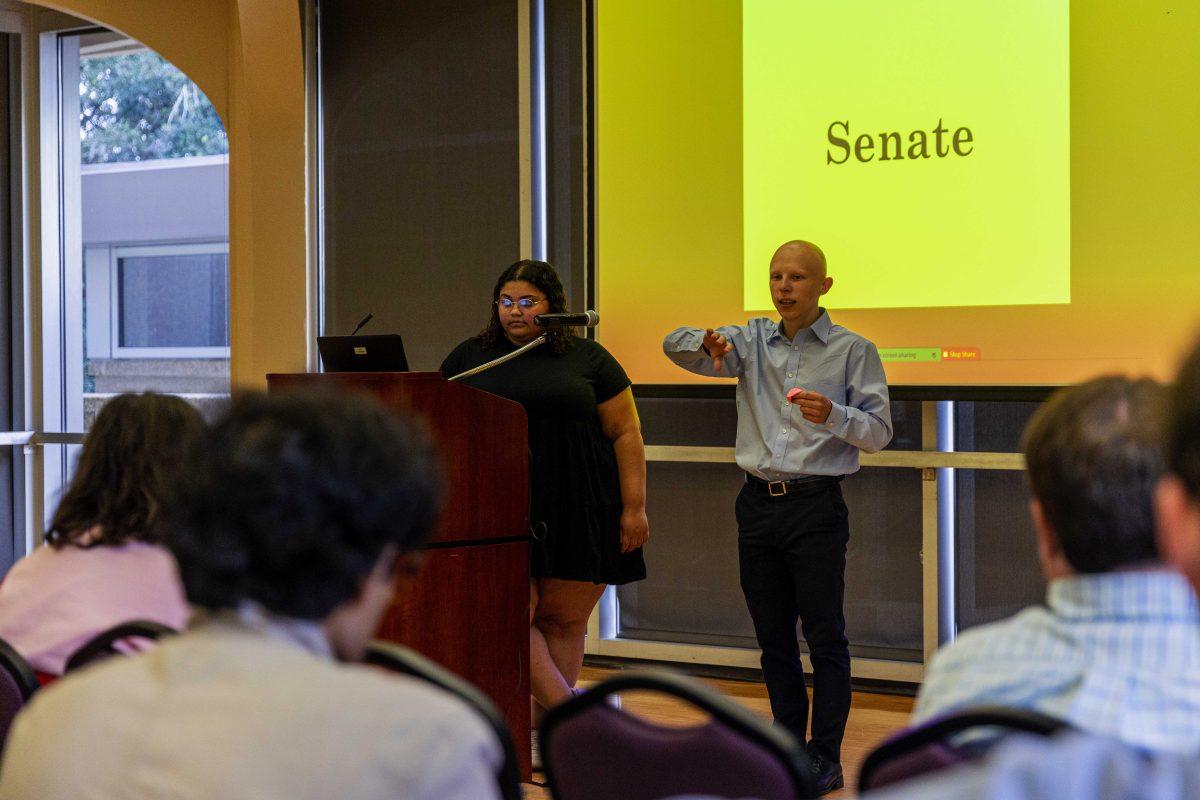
x=133, y=458
x=543, y=276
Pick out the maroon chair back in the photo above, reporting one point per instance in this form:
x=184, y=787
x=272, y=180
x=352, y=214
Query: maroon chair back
x=939, y=743
x=17, y=684
x=932, y=757
x=592, y=751
x=120, y=639
x=398, y=658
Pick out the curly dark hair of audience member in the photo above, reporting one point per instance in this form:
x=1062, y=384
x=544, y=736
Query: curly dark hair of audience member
x=1183, y=425
x=1094, y=457
x=133, y=458
x=543, y=276
x=296, y=495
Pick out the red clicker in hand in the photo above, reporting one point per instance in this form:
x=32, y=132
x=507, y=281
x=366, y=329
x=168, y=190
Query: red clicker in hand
x=793, y=395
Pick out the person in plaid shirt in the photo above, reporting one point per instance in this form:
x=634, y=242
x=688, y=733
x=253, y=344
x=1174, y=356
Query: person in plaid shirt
x=1116, y=649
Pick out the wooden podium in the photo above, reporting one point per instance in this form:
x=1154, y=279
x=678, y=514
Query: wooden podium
x=469, y=608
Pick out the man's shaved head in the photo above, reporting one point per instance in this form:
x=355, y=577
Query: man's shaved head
x=809, y=252
x=798, y=281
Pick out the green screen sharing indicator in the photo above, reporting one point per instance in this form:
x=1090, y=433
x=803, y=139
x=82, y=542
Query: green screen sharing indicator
x=917, y=355
x=911, y=354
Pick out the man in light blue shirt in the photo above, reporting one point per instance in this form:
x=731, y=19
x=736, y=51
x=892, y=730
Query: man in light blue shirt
x=810, y=395
x=1089, y=767
x=1116, y=649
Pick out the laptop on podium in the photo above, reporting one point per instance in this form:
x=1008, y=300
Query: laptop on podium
x=378, y=353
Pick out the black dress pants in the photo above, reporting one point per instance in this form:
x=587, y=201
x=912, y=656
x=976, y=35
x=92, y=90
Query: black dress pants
x=792, y=556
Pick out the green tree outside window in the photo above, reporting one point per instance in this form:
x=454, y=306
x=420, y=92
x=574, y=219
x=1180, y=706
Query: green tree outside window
x=138, y=107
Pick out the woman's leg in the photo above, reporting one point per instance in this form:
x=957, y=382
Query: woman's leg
x=560, y=622
x=546, y=682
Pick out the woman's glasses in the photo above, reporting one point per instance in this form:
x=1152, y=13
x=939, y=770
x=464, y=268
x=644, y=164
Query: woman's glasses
x=524, y=303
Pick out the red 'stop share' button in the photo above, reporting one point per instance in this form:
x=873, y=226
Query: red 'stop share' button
x=960, y=354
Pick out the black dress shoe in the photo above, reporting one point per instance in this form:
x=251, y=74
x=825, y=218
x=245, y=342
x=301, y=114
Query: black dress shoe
x=826, y=774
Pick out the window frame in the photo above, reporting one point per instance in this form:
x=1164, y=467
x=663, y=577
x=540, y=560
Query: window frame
x=115, y=254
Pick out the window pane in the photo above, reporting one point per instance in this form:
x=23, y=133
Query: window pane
x=996, y=566
x=174, y=301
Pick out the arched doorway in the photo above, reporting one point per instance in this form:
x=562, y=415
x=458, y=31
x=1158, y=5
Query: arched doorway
x=143, y=218
x=154, y=222
x=125, y=278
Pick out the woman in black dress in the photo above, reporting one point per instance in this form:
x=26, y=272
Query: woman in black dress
x=587, y=506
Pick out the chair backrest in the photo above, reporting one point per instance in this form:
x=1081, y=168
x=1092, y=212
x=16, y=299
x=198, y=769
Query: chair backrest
x=17, y=684
x=401, y=659
x=939, y=743
x=119, y=639
x=591, y=750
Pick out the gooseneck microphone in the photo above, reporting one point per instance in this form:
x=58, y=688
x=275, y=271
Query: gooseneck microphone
x=582, y=319
x=365, y=320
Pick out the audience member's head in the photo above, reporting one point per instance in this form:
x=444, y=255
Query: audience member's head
x=1094, y=457
x=1178, y=497
x=132, y=459
x=309, y=506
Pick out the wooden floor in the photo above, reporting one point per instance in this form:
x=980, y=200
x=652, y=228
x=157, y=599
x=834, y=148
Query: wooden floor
x=872, y=718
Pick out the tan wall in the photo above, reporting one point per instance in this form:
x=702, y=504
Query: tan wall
x=247, y=56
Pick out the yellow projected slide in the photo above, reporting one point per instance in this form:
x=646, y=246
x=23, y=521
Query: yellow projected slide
x=929, y=133
x=1006, y=195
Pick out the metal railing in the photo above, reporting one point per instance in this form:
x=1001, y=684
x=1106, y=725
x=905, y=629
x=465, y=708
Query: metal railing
x=937, y=549
x=35, y=438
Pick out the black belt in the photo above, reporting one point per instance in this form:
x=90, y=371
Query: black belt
x=780, y=488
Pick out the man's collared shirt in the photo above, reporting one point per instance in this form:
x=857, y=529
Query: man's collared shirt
x=1116, y=654
x=774, y=441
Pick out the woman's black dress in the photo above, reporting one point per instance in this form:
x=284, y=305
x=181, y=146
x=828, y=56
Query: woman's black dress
x=575, y=493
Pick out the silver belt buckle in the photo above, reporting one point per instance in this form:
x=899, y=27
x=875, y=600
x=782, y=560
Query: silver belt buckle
x=782, y=486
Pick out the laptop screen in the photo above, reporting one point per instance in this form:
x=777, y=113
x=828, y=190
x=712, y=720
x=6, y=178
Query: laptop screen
x=378, y=353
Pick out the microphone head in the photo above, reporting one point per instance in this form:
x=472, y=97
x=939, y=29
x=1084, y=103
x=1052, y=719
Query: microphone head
x=582, y=319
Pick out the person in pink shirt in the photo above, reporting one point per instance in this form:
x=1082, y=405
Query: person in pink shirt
x=102, y=563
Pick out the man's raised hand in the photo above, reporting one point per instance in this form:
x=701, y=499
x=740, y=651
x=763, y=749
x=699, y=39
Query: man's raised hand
x=716, y=346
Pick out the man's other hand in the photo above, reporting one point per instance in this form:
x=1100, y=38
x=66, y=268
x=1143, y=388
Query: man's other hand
x=814, y=406
x=716, y=346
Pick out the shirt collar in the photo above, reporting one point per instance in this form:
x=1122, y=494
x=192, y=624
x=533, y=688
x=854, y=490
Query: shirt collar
x=820, y=328
x=303, y=633
x=1137, y=594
